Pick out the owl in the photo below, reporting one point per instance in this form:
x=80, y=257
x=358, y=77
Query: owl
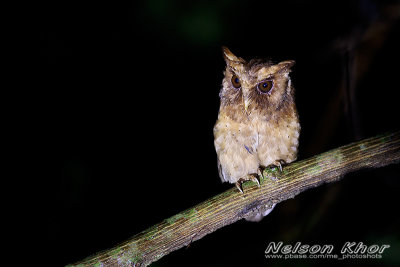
x=258, y=124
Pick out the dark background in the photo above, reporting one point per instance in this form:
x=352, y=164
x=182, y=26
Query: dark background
x=124, y=102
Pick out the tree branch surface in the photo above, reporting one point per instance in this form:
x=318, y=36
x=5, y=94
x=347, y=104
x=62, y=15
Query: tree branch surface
x=230, y=206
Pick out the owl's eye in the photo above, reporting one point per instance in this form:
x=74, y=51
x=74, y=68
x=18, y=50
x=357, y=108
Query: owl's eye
x=235, y=81
x=265, y=87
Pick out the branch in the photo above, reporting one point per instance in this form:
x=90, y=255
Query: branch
x=228, y=207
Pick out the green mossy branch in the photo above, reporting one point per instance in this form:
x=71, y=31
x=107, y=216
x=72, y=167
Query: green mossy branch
x=226, y=208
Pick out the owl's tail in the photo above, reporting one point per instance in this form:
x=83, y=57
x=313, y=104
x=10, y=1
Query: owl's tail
x=260, y=214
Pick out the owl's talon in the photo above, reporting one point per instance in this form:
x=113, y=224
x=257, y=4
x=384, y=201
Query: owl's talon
x=250, y=177
x=278, y=163
x=254, y=178
x=239, y=186
x=260, y=171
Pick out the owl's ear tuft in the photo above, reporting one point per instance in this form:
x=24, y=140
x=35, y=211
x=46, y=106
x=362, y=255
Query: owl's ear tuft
x=230, y=58
x=286, y=65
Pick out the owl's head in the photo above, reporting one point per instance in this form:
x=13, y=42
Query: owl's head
x=256, y=84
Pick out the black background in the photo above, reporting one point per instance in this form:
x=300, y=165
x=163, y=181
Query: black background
x=125, y=96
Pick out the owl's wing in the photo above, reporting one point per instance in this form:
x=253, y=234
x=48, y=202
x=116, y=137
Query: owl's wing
x=221, y=172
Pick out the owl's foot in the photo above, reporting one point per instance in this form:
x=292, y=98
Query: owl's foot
x=260, y=171
x=255, y=178
x=249, y=177
x=239, y=185
x=276, y=164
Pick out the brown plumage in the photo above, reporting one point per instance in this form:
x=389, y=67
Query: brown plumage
x=257, y=124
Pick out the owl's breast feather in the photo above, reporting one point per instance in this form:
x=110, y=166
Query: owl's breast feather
x=236, y=146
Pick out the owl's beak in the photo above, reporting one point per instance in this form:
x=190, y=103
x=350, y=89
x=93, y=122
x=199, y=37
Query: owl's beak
x=246, y=105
